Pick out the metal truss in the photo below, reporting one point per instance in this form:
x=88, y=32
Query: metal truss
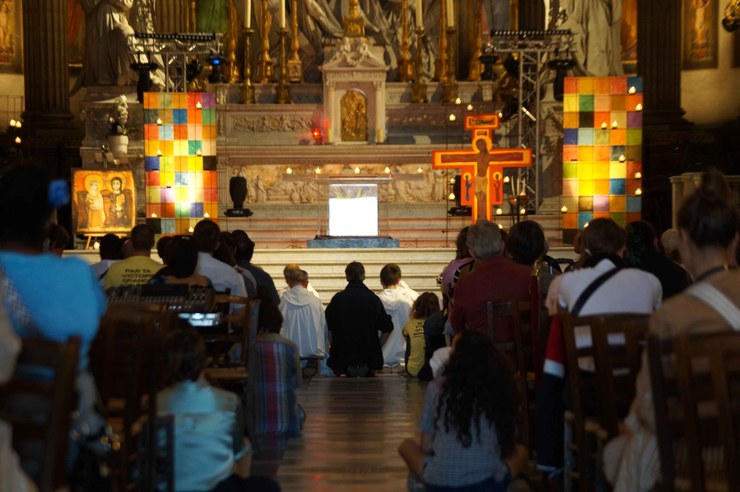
x=176, y=50
x=533, y=49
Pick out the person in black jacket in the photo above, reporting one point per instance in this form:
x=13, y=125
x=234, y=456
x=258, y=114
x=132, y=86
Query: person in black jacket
x=355, y=316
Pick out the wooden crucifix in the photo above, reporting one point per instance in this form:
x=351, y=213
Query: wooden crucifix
x=482, y=168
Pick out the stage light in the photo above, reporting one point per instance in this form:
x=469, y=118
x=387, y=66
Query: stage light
x=217, y=65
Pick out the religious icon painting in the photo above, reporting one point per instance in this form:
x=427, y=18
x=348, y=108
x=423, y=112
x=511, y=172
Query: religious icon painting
x=103, y=201
x=700, y=34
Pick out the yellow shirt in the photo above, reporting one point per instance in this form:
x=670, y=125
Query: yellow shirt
x=135, y=270
x=414, y=330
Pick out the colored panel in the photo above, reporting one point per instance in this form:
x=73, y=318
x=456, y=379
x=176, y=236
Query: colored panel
x=210, y=163
x=570, y=187
x=194, y=146
x=618, y=203
x=601, y=215
x=585, y=102
x=620, y=218
x=619, y=85
x=585, y=119
x=634, y=204
x=570, y=221
x=570, y=202
x=196, y=210
x=570, y=136
x=636, y=82
x=585, y=136
x=152, y=179
x=632, y=168
x=602, y=152
x=586, y=187
x=601, y=85
x=584, y=218
x=632, y=186
x=586, y=204
x=617, y=170
x=570, y=103
x=601, y=170
x=601, y=118
x=633, y=100
x=168, y=226
x=617, y=186
x=569, y=170
x=601, y=187
x=570, y=153
x=585, y=170
x=570, y=120
x=602, y=103
x=601, y=203
x=634, y=119
x=154, y=208
x=585, y=85
x=151, y=163
x=617, y=150
x=634, y=153
x=633, y=216
x=634, y=136
x=153, y=194
x=585, y=153
x=570, y=85
x=621, y=118
x=601, y=137
x=619, y=103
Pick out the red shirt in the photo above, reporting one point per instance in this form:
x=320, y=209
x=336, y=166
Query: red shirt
x=496, y=279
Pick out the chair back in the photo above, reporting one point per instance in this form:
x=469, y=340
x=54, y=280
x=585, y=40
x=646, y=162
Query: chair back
x=127, y=373
x=612, y=346
x=695, y=382
x=521, y=351
x=38, y=402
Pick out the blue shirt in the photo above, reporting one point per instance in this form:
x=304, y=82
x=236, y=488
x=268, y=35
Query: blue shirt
x=62, y=296
x=451, y=464
x=209, y=433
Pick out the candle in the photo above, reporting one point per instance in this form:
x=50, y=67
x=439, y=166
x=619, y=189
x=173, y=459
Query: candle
x=633, y=90
x=387, y=170
x=615, y=124
x=419, y=16
x=450, y=14
x=247, y=13
x=499, y=211
x=206, y=215
x=603, y=125
x=289, y=170
x=282, y=14
x=638, y=107
x=638, y=191
x=563, y=209
x=638, y=175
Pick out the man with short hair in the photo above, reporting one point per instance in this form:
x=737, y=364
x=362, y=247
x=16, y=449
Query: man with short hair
x=138, y=267
x=110, y=253
x=304, y=321
x=397, y=302
x=495, y=278
x=287, y=272
x=223, y=277
x=355, y=316
x=244, y=253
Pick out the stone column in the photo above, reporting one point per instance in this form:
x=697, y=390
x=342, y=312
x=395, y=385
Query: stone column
x=330, y=95
x=659, y=60
x=531, y=14
x=379, y=111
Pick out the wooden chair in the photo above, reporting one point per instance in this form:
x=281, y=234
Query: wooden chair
x=603, y=395
x=38, y=402
x=522, y=352
x=126, y=370
x=695, y=382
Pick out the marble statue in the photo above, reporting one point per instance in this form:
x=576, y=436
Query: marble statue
x=596, y=25
x=497, y=13
x=316, y=25
x=107, y=28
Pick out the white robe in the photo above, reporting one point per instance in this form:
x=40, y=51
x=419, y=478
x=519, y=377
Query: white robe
x=397, y=303
x=304, y=321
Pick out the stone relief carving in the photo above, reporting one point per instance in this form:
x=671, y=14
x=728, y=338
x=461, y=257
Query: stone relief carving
x=266, y=183
x=264, y=124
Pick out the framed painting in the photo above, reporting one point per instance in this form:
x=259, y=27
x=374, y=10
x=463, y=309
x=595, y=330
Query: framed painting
x=11, y=39
x=103, y=201
x=700, y=34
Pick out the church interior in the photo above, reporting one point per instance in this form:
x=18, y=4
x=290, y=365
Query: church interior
x=335, y=131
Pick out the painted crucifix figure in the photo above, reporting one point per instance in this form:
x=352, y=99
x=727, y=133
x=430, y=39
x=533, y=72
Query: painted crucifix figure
x=482, y=168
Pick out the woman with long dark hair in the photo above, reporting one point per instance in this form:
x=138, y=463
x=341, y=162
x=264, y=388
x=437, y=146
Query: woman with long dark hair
x=468, y=423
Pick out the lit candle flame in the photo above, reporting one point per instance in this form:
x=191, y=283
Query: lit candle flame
x=563, y=209
x=289, y=170
x=633, y=90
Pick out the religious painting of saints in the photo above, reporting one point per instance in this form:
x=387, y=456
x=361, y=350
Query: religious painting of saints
x=10, y=36
x=700, y=34
x=103, y=201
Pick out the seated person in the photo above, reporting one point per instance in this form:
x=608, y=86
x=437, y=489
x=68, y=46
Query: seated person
x=423, y=308
x=137, y=267
x=209, y=422
x=275, y=369
x=468, y=422
x=182, y=259
x=110, y=252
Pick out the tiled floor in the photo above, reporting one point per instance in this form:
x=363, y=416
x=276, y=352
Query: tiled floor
x=351, y=436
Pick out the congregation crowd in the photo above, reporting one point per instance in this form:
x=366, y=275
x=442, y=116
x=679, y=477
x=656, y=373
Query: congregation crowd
x=469, y=441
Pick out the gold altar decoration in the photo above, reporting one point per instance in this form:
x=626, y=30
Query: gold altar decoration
x=476, y=67
x=283, y=86
x=247, y=87
x=419, y=89
x=265, y=69
x=354, y=117
x=232, y=67
x=440, y=63
x=295, y=67
x=354, y=24
x=449, y=82
x=405, y=67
